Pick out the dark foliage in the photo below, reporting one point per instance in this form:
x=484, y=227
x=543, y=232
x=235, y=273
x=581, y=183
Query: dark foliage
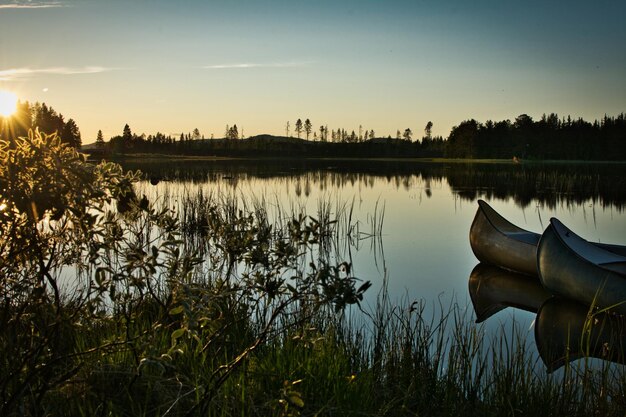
x=548, y=138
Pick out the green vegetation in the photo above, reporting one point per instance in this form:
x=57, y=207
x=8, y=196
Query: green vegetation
x=110, y=305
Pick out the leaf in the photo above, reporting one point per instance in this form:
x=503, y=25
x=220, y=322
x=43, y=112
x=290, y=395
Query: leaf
x=176, y=310
x=178, y=333
x=295, y=399
x=364, y=287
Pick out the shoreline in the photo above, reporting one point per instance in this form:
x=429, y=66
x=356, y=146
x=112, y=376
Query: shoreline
x=148, y=157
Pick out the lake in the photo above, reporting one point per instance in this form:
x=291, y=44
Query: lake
x=413, y=218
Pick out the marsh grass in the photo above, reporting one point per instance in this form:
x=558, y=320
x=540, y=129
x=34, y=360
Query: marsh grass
x=242, y=331
x=394, y=359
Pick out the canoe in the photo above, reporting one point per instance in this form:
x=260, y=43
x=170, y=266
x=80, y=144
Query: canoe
x=496, y=241
x=493, y=289
x=573, y=268
x=564, y=331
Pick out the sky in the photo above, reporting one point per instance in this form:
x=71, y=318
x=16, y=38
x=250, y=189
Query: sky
x=172, y=66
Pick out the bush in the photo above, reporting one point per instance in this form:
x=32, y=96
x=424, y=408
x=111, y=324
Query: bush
x=103, y=308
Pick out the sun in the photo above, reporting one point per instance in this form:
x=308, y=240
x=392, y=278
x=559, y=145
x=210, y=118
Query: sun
x=8, y=103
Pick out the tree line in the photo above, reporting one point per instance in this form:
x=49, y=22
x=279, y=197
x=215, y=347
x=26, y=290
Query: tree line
x=550, y=137
x=39, y=115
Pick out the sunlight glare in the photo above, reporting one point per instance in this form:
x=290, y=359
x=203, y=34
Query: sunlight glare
x=8, y=103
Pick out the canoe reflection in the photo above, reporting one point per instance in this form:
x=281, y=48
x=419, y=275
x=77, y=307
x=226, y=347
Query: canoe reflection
x=564, y=330
x=493, y=289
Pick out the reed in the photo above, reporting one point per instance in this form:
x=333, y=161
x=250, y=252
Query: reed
x=393, y=360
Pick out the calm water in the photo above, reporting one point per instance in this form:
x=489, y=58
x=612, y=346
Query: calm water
x=424, y=249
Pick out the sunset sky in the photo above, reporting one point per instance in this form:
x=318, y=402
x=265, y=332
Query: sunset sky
x=172, y=66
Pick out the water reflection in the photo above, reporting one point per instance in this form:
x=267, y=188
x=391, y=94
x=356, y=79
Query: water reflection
x=493, y=289
x=428, y=206
x=548, y=184
x=564, y=330
x=428, y=209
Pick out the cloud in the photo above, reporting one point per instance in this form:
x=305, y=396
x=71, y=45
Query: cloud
x=258, y=65
x=32, y=5
x=13, y=73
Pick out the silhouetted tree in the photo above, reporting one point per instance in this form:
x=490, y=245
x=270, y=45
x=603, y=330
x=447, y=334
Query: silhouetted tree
x=71, y=134
x=127, y=137
x=18, y=124
x=407, y=134
x=233, y=133
x=47, y=119
x=100, y=140
x=307, y=128
x=428, y=130
x=298, y=127
x=462, y=139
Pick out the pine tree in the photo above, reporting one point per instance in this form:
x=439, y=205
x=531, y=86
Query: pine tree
x=307, y=128
x=100, y=140
x=428, y=130
x=71, y=134
x=298, y=127
x=127, y=137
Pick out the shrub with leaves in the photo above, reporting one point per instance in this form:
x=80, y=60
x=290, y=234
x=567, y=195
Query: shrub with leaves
x=104, y=307
x=69, y=262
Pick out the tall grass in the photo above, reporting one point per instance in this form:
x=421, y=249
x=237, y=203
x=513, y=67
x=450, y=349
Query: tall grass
x=393, y=360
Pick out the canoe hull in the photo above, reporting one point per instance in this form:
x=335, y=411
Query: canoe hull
x=496, y=241
x=491, y=242
x=565, y=273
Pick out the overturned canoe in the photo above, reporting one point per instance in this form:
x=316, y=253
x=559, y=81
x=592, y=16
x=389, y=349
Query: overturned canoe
x=493, y=289
x=566, y=330
x=496, y=241
x=573, y=268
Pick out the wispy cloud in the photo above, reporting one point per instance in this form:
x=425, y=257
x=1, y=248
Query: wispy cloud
x=13, y=73
x=32, y=5
x=259, y=65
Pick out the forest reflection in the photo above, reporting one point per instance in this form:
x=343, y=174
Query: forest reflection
x=548, y=184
